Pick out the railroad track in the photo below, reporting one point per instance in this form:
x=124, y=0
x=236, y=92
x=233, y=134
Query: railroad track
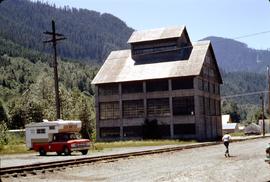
x=34, y=169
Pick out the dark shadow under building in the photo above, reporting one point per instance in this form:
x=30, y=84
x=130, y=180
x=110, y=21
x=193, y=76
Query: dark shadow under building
x=163, y=87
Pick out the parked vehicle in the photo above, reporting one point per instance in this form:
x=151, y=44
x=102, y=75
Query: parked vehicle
x=252, y=129
x=267, y=159
x=59, y=136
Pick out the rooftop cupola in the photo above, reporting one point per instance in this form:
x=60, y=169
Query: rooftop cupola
x=163, y=44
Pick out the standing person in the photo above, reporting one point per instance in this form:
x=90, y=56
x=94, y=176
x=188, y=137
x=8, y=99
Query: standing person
x=226, y=140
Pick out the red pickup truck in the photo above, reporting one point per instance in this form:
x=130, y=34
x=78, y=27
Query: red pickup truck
x=63, y=143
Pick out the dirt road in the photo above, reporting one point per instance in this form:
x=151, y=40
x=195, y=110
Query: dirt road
x=198, y=164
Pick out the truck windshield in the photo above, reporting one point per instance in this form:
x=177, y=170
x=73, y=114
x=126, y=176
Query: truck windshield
x=73, y=136
x=60, y=137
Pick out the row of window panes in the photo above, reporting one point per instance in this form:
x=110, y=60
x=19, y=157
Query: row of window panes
x=158, y=107
x=136, y=48
x=154, y=49
x=151, y=45
x=133, y=108
x=208, y=71
x=139, y=131
x=155, y=107
x=183, y=106
x=151, y=86
x=208, y=87
x=108, y=89
x=209, y=107
x=109, y=110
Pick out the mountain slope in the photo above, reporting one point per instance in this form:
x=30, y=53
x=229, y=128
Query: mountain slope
x=90, y=35
x=236, y=56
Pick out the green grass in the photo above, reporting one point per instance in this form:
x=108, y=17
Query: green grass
x=15, y=143
x=137, y=143
x=238, y=134
x=14, y=149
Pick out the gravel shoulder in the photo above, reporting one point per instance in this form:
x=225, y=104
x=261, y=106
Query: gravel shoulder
x=197, y=164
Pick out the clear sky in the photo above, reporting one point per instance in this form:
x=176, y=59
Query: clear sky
x=224, y=18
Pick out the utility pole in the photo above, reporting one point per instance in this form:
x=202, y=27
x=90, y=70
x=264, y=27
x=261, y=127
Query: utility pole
x=268, y=77
x=54, y=38
x=262, y=97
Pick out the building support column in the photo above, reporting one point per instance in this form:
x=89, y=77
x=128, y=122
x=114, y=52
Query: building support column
x=97, y=113
x=120, y=110
x=144, y=99
x=171, y=109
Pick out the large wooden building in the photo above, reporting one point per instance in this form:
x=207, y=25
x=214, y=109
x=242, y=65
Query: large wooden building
x=163, y=81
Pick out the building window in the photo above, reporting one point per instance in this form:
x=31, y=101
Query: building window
x=217, y=90
x=133, y=109
x=200, y=84
x=211, y=72
x=164, y=130
x=133, y=131
x=212, y=107
x=132, y=87
x=207, y=106
x=108, y=89
x=207, y=59
x=157, y=85
x=206, y=86
x=201, y=105
x=158, y=107
x=183, y=106
x=109, y=132
x=41, y=131
x=217, y=108
x=182, y=83
x=184, y=129
x=109, y=110
x=212, y=88
x=154, y=48
x=206, y=71
x=51, y=127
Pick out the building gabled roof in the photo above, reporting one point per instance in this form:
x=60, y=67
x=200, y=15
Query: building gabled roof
x=156, y=34
x=120, y=67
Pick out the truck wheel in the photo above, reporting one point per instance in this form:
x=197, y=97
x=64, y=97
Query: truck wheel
x=42, y=152
x=59, y=153
x=84, y=152
x=66, y=151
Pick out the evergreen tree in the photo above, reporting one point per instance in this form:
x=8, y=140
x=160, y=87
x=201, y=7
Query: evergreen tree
x=3, y=114
x=87, y=122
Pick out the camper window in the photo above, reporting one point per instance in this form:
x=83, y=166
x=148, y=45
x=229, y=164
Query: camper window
x=51, y=127
x=40, y=131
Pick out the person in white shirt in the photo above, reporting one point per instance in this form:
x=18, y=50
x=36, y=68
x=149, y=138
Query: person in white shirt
x=226, y=140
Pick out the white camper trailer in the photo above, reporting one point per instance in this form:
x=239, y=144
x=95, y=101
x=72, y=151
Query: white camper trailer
x=43, y=136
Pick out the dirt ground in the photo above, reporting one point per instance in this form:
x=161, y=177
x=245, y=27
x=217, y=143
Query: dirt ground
x=198, y=164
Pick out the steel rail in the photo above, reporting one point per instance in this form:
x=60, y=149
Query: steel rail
x=66, y=163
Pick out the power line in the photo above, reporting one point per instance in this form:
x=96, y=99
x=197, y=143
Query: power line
x=245, y=94
x=191, y=46
x=251, y=35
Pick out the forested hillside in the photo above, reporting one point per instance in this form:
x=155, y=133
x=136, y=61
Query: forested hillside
x=26, y=76
x=236, y=56
x=27, y=88
x=235, y=92
x=235, y=83
x=90, y=34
